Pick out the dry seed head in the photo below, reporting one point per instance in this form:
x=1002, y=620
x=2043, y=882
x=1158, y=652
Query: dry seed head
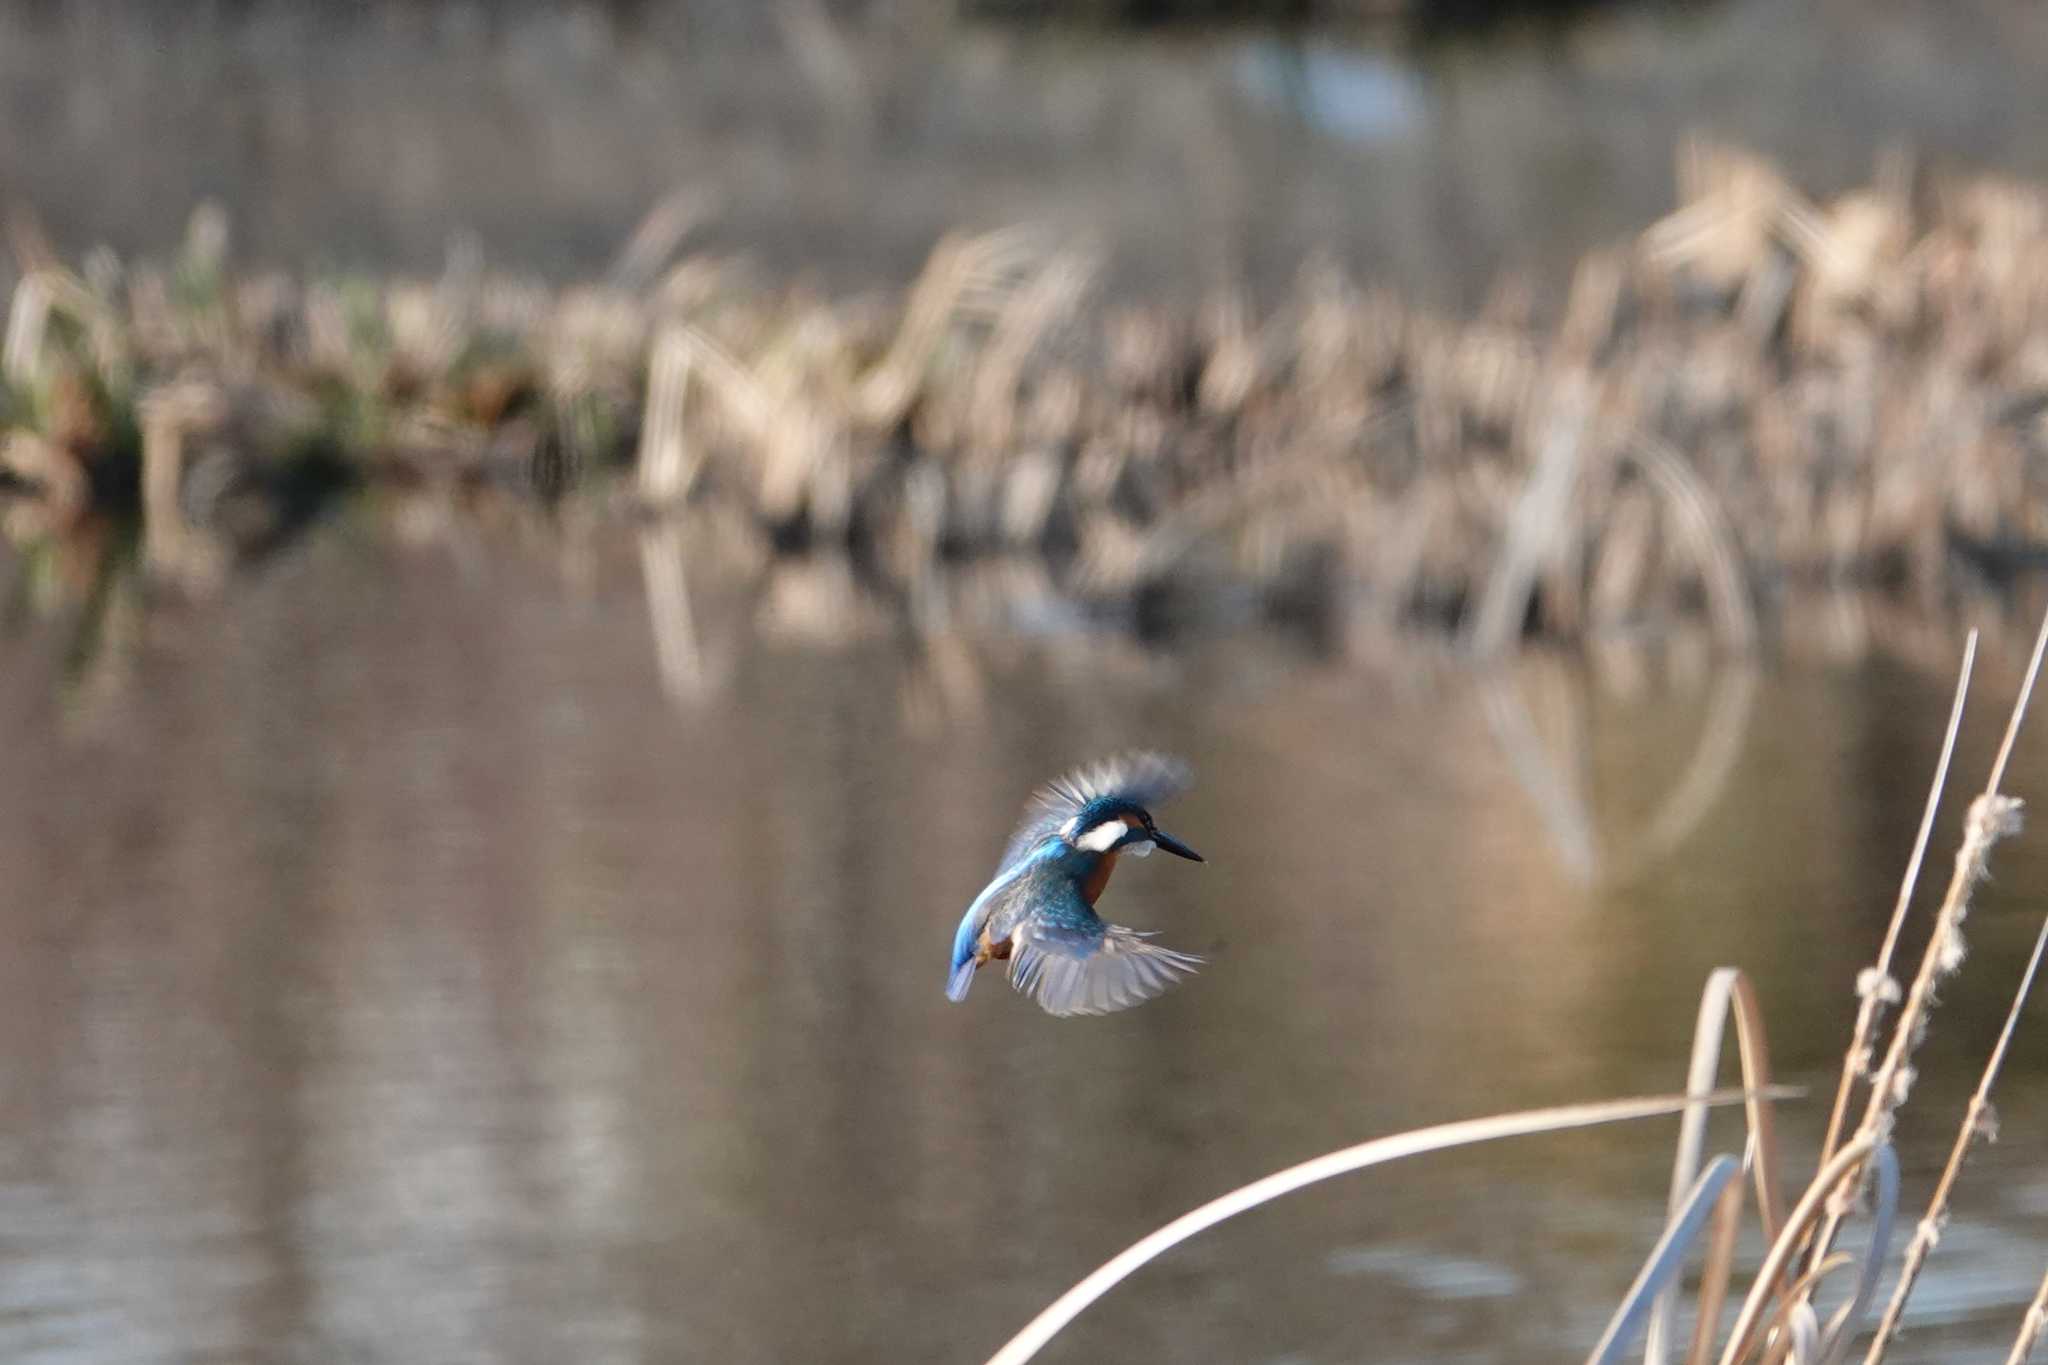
x=1874, y=985
x=1953, y=949
x=1984, y=1123
x=1902, y=1084
x=1992, y=817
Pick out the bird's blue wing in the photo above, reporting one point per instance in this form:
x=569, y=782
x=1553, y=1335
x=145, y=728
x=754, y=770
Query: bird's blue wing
x=960, y=975
x=1083, y=966
x=1003, y=900
x=1146, y=778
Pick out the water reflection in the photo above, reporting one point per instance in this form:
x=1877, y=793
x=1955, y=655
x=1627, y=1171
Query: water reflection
x=394, y=971
x=822, y=603
x=1556, y=780
x=676, y=649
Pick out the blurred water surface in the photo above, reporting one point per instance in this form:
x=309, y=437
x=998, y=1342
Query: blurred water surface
x=394, y=972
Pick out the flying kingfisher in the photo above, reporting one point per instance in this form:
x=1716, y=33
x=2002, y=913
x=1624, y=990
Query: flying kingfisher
x=1039, y=912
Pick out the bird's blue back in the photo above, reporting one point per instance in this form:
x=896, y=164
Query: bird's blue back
x=1044, y=882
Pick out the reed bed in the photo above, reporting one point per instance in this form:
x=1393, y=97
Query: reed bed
x=1805, y=1302
x=1759, y=395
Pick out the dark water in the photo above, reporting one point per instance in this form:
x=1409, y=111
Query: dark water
x=393, y=972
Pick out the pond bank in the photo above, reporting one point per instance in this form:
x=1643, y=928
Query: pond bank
x=1759, y=394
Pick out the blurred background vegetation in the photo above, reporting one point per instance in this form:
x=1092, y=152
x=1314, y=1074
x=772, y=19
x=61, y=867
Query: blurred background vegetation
x=1344, y=258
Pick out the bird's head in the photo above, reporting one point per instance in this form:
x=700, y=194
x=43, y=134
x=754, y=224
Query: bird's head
x=1115, y=824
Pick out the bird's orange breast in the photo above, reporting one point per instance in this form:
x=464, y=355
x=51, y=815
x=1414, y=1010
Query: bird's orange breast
x=1092, y=884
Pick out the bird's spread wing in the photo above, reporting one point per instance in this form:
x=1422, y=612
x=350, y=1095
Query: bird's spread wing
x=1092, y=968
x=1146, y=778
x=1005, y=899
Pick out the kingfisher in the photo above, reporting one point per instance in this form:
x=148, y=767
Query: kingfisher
x=1039, y=911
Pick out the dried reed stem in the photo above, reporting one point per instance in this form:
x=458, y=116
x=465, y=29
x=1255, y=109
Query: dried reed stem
x=1538, y=528
x=1701, y=1203
x=666, y=469
x=1728, y=993
x=1978, y=1120
x=1836, y=1172
x=172, y=547
x=1715, y=1269
x=28, y=319
x=1876, y=983
x=2030, y=1326
x=1991, y=817
x=1378, y=1151
x=1849, y=1316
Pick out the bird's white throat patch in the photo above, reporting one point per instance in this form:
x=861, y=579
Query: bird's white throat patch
x=1141, y=849
x=1103, y=837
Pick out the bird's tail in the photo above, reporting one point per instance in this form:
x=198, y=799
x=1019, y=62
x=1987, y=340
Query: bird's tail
x=960, y=980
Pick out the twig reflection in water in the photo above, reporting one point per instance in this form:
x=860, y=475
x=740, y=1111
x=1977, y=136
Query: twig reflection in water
x=677, y=653
x=816, y=602
x=1556, y=783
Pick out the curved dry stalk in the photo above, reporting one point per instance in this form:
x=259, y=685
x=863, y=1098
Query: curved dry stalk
x=1782, y=1343
x=1842, y=1326
x=1844, y=1166
x=1715, y=1269
x=1978, y=1120
x=1378, y=1151
x=1728, y=991
x=1804, y=1330
x=1662, y=1265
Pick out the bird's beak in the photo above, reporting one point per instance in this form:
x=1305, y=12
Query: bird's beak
x=1175, y=847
